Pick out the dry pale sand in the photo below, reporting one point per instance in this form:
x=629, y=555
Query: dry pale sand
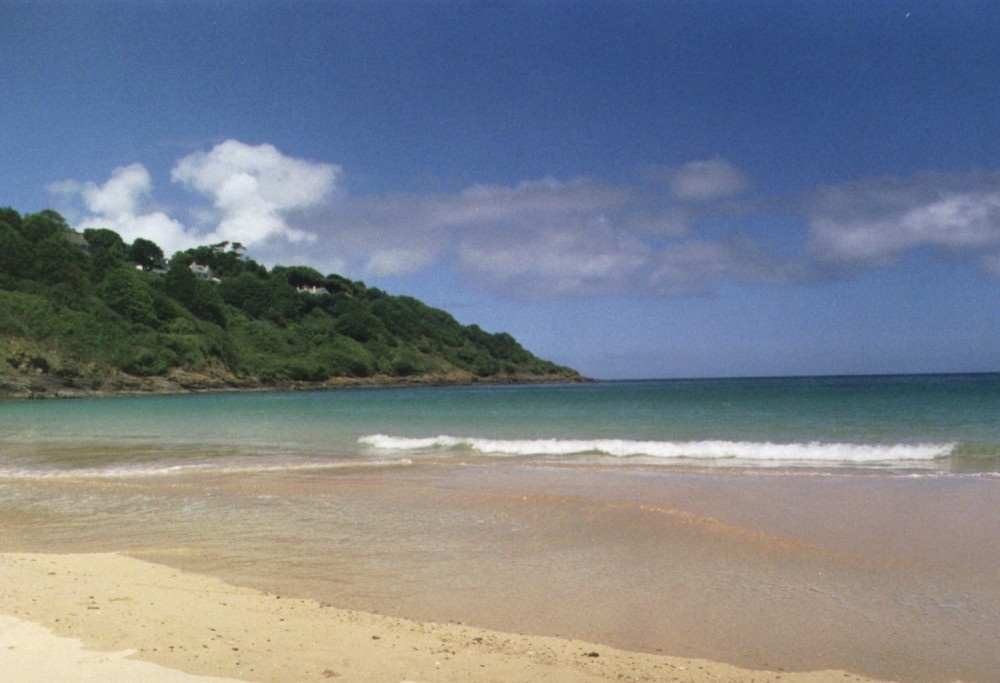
x=108, y=617
x=30, y=653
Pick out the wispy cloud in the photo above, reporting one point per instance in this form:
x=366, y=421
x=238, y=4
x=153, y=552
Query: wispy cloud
x=697, y=266
x=678, y=231
x=875, y=222
x=703, y=180
x=401, y=234
x=542, y=261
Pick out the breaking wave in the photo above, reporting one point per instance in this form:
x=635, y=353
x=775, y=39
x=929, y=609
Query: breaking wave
x=676, y=450
x=166, y=470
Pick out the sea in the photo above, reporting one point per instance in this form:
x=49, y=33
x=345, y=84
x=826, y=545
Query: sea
x=777, y=523
x=934, y=424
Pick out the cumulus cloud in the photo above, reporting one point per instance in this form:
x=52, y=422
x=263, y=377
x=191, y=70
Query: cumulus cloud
x=874, y=222
x=253, y=190
x=254, y=187
x=121, y=194
x=122, y=204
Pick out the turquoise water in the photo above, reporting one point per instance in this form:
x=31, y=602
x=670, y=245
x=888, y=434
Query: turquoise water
x=798, y=523
x=941, y=423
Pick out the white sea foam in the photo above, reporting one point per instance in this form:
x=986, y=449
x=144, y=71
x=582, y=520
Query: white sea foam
x=219, y=467
x=696, y=450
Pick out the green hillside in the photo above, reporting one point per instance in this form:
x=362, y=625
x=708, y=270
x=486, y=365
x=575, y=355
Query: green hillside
x=83, y=312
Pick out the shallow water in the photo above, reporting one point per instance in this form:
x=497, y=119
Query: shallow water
x=883, y=567
x=776, y=571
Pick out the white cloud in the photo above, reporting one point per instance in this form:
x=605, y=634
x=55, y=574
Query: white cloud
x=705, y=180
x=547, y=237
x=384, y=235
x=539, y=238
x=535, y=200
x=121, y=204
x=544, y=237
x=393, y=235
x=586, y=259
x=388, y=261
x=253, y=189
x=694, y=266
x=121, y=194
x=874, y=222
x=168, y=233
x=691, y=266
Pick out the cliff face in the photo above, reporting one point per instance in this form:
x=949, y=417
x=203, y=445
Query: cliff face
x=83, y=313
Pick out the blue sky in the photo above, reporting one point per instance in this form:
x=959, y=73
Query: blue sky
x=635, y=189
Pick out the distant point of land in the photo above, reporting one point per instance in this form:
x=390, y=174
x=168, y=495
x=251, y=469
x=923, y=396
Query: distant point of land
x=87, y=313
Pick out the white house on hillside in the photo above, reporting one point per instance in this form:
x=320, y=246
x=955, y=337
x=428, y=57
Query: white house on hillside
x=312, y=289
x=204, y=272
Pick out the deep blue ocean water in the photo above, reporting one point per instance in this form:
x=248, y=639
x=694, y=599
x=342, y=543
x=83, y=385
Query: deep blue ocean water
x=937, y=423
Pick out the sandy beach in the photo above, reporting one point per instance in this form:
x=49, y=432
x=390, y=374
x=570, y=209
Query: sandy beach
x=257, y=536
x=441, y=567
x=108, y=617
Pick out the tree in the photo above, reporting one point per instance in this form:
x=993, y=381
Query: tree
x=200, y=297
x=91, y=313
x=10, y=217
x=361, y=325
x=247, y=292
x=105, y=240
x=223, y=263
x=56, y=260
x=16, y=253
x=145, y=254
x=299, y=276
x=208, y=305
x=180, y=281
x=107, y=251
x=37, y=227
x=125, y=292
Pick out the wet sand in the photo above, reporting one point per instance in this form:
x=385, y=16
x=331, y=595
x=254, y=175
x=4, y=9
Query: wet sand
x=883, y=576
x=147, y=622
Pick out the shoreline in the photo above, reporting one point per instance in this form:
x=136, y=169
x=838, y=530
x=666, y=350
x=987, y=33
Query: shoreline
x=130, y=610
x=889, y=574
x=700, y=566
x=44, y=386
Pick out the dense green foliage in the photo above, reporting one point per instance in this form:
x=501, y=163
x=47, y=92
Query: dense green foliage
x=84, y=305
